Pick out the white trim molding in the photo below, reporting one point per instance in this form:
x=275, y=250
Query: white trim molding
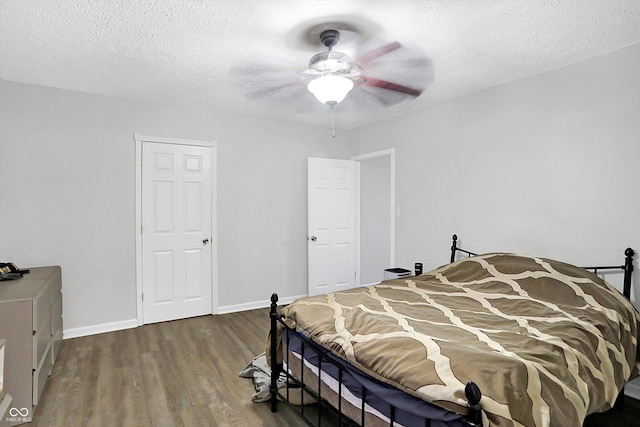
x=163, y=140
x=133, y=323
x=256, y=304
x=99, y=329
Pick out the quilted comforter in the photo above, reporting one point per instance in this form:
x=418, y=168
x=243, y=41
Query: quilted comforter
x=547, y=343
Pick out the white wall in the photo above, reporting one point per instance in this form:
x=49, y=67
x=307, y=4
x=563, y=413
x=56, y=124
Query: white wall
x=548, y=165
x=67, y=198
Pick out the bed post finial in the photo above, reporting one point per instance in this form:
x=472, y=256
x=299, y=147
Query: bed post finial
x=628, y=269
x=273, y=356
x=454, y=246
x=473, y=395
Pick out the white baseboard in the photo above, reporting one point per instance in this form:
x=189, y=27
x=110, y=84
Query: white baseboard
x=256, y=304
x=133, y=323
x=368, y=284
x=99, y=329
x=632, y=389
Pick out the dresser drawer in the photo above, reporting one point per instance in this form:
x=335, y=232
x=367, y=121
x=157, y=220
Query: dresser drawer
x=56, y=314
x=56, y=284
x=41, y=342
x=56, y=342
x=40, y=376
x=42, y=309
x=5, y=403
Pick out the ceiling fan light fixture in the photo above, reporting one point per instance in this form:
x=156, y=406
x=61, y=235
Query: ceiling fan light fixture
x=330, y=88
x=330, y=62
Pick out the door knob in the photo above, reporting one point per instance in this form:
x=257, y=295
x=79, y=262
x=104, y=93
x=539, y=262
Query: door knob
x=313, y=238
x=205, y=241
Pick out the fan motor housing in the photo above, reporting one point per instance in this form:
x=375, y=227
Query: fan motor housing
x=330, y=38
x=331, y=61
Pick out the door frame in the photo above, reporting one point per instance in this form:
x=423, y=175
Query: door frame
x=391, y=153
x=139, y=139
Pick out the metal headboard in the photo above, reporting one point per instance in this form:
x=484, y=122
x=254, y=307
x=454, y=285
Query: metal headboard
x=455, y=248
x=627, y=267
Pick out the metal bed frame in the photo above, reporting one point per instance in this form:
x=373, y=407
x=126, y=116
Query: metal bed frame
x=473, y=418
x=627, y=267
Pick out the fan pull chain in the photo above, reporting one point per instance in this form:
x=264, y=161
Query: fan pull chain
x=333, y=129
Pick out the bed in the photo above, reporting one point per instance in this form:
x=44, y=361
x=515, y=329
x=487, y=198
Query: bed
x=496, y=339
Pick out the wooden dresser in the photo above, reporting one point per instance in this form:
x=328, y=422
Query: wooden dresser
x=5, y=398
x=31, y=324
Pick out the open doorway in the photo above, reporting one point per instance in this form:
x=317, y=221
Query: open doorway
x=376, y=214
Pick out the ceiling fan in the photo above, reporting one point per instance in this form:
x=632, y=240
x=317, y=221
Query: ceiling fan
x=369, y=71
x=335, y=74
x=378, y=72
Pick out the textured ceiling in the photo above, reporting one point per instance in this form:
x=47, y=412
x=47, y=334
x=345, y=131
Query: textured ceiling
x=249, y=56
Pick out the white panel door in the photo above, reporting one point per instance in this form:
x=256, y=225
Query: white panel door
x=176, y=231
x=331, y=224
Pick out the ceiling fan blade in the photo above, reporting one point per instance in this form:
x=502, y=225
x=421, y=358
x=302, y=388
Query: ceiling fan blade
x=271, y=90
x=384, y=84
x=378, y=52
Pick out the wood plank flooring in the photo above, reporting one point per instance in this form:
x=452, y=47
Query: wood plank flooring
x=179, y=373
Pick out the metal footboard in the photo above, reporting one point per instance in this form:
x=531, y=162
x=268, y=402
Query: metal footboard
x=472, y=392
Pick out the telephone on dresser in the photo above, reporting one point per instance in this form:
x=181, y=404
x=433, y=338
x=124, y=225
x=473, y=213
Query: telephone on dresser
x=9, y=270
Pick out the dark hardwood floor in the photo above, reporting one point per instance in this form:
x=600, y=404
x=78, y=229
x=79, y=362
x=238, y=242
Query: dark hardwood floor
x=180, y=373
x=624, y=417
